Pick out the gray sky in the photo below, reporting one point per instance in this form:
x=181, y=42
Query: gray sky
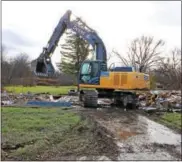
x=27, y=25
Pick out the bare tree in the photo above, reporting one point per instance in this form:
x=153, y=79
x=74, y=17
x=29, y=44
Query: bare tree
x=5, y=66
x=109, y=55
x=14, y=68
x=169, y=70
x=19, y=67
x=143, y=52
x=2, y=53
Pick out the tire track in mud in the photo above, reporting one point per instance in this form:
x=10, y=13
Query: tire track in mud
x=7, y=147
x=136, y=136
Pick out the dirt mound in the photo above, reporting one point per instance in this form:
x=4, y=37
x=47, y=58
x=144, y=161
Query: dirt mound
x=86, y=139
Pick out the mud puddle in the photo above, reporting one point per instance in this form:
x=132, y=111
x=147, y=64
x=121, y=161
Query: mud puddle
x=138, y=137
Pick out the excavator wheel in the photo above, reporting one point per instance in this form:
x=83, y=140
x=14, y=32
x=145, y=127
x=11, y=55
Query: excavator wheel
x=89, y=98
x=125, y=100
x=129, y=105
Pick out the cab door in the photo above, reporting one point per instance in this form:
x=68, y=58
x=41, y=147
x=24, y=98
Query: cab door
x=90, y=73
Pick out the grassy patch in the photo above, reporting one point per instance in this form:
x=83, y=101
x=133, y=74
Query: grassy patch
x=41, y=89
x=27, y=132
x=51, y=134
x=171, y=119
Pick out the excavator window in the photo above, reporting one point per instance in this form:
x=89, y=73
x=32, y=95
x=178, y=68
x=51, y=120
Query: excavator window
x=90, y=73
x=86, y=69
x=95, y=69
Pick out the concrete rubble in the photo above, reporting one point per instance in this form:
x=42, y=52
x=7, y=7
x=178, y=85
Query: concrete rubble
x=160, y=101
x=6, y=99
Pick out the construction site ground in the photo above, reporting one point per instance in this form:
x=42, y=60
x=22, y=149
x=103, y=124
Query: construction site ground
x=77, y=133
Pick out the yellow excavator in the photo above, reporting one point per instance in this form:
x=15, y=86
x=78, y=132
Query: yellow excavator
x=117, y=83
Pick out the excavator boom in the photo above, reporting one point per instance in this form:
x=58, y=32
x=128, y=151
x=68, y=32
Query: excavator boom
x=42, y=66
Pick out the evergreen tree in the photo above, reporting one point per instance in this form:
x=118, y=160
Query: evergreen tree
x=74, y=51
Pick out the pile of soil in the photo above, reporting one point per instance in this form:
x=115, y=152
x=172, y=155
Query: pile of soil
x=85, y=140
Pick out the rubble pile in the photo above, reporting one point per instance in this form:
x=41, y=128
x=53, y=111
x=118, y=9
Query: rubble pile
x=148, y=101
x=5, y=99
x=22, y=99
x=160, y=100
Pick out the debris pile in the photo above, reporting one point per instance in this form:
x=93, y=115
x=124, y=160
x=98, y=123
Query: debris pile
x=5, y=99
x=38, y=99
x=148, y=101
x=160, y=100
x=104, y=102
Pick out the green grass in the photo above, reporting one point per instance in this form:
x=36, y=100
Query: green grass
x=34, y=129
x=30, y=134
x=172, y=119
x=41, y=89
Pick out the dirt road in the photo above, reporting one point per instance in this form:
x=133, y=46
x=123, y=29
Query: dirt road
x=137, y=137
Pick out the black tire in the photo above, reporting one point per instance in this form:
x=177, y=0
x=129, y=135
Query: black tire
x=90, y=99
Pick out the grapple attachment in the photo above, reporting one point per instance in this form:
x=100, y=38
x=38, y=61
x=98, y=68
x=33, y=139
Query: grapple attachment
x=43, y=67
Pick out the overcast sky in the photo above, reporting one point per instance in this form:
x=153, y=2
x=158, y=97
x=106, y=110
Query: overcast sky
x=28, y=25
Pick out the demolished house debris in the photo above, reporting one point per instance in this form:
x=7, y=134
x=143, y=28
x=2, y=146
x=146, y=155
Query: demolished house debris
x=148, y=101
x=41, y=99
x=160, y=100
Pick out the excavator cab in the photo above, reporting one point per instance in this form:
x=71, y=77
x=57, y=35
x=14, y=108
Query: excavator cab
x=90, y=72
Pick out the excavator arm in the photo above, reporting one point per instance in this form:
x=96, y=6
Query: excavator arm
x=42, y=66
x=91, y=36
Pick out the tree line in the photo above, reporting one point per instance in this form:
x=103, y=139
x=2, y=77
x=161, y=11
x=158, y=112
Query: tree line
x=144, y=54
x=14, y=68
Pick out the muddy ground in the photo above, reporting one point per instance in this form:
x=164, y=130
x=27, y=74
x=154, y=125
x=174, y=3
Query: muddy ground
x=136, y=136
